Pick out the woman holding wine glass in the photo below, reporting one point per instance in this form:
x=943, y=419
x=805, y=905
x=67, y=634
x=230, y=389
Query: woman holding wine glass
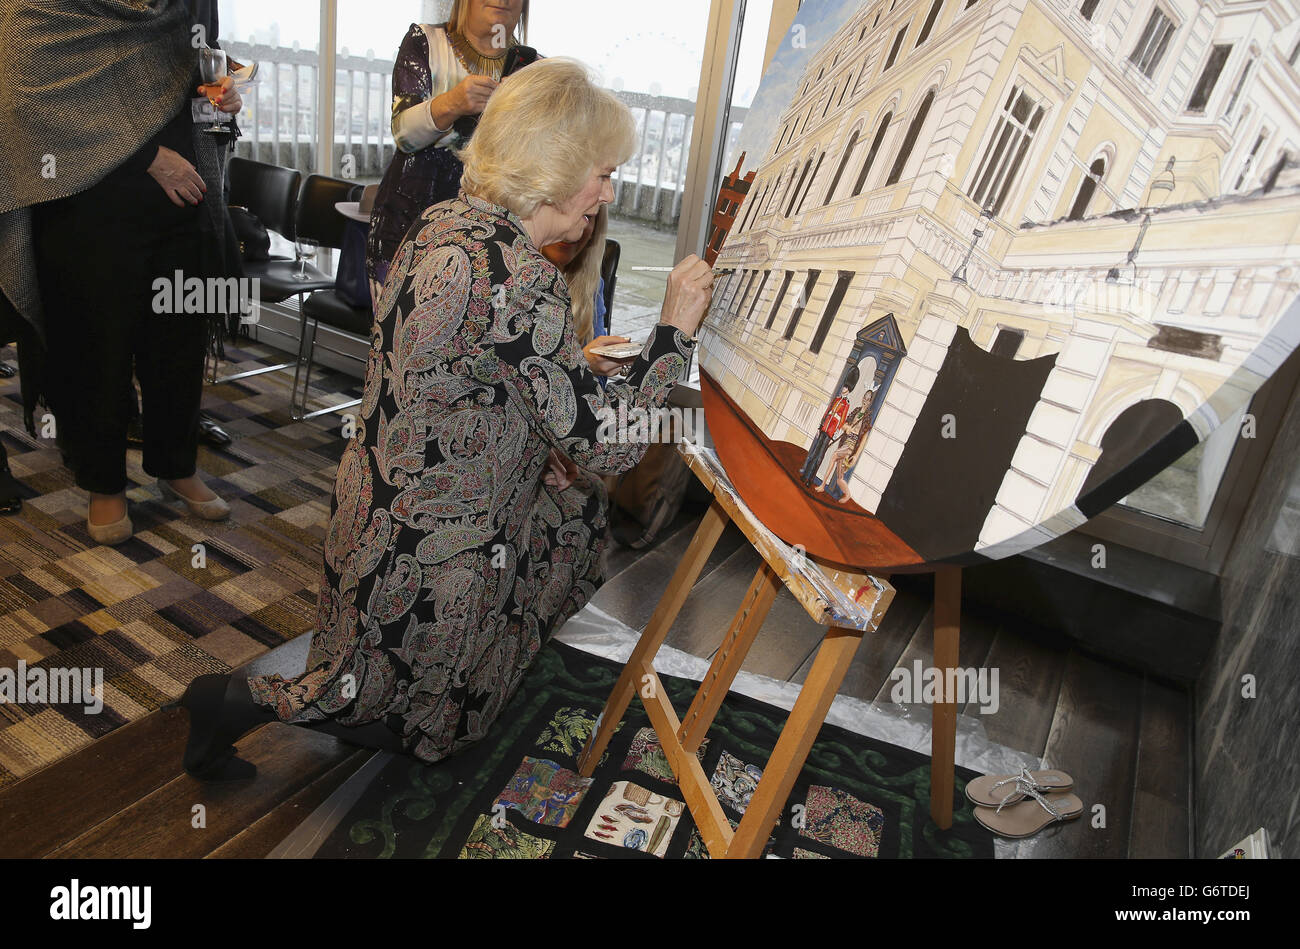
x=120, y=209
x=443, y=74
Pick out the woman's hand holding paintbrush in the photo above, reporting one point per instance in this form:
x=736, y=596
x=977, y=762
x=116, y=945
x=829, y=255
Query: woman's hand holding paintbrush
x=686, y=302
x=687, y=298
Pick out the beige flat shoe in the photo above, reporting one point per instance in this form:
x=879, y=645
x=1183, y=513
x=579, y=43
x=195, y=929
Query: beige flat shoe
x=1027, y=818
x=994, y=789
x=214, y=510
x=115, y=533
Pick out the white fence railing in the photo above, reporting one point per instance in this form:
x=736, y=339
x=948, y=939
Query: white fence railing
x=280, y=126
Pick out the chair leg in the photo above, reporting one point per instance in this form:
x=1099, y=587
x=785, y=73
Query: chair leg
x=253, y=372
x=306, y=347
x=209, y=367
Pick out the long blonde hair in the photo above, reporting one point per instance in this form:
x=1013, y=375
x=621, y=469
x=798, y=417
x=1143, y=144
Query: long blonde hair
x=458, y=12
x=583, y=278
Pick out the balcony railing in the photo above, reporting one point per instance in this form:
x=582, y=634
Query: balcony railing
x=280, y=127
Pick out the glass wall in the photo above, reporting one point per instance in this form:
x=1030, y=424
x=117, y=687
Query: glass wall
x=749, y=73
x=369, y=35
x=279, y=120
x=651, y=57
x=1185, y=491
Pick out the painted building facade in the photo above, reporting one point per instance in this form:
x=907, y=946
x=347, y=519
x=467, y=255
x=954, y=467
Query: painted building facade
x=1123, y=164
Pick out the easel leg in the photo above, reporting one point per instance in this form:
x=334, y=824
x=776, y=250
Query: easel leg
x=688, y=571
x=806, y=718
x=943, y=739
x=731, y=655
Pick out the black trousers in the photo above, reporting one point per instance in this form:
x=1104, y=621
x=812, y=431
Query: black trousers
x=815, y=455
x=98, y=259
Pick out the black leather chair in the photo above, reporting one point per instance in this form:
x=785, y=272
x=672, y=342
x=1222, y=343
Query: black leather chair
x=270, y=192
x=609, y=273
x=320, y=220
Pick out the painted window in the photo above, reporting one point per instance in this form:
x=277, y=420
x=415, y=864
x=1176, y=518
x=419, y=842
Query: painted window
x=753, y=304
x=1150, y=49
x=780, y=298
x=872, y=152
x=806, y=191
x=928, y=25
x=893, y=52
x=1007, y=343
x=1088, y=8
x=832, y=308
x=801, y=304
x=909, y=140
x=1087, y=188
x=1251, y=159
x=1241, y=84
x=740, y=302
x=862, y=74
x=1209, y=76
x=1006, y=150
x=839, y=172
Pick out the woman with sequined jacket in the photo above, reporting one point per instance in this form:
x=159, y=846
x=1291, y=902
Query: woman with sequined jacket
x=443, y=73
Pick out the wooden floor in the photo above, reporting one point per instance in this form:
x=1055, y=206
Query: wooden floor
x=1124, y=737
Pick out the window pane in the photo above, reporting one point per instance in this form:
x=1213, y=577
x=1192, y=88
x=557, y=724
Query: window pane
x=832, y=309
x=279, y=121
x=929, y=22
x=801, y=304
x=909, y=141
x=780, y=298
x=898, y=41
x=871, y=155
x=749, y=73
x=1185, y=490
x=650, y=56
x=363, y=87
x=1209, y=76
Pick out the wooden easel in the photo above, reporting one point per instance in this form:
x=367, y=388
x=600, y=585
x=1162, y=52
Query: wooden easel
x=849, y=604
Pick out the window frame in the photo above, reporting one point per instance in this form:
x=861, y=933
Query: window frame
x=892, y=59
x=1019, y=84
x=1214, y=83
x=1148, y=37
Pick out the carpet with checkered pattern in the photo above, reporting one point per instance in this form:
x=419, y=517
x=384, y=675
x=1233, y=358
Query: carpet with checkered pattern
x=183, y=596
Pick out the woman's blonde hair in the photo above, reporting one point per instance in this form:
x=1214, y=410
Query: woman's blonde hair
x=458, y=13
x=583, y=278
x=543, y=132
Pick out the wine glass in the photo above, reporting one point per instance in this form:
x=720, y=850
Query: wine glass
x=304, y=249
x=212, y=68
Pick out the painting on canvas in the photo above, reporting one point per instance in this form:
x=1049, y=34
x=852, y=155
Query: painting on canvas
x=999, y=263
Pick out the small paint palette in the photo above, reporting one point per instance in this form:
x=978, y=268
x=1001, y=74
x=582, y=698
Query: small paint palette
x=620, y=350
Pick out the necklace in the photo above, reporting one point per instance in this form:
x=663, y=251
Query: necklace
x=474, y=61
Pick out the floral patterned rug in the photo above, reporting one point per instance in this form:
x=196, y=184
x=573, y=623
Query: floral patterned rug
x=518, y=795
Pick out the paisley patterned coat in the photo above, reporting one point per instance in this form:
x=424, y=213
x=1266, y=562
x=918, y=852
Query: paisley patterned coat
x=448, y=561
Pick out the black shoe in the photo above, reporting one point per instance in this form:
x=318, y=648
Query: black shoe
x=7, y=371
x=221, y=712
x=212, y=434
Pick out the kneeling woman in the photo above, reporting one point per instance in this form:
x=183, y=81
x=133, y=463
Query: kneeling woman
x=465, y=529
